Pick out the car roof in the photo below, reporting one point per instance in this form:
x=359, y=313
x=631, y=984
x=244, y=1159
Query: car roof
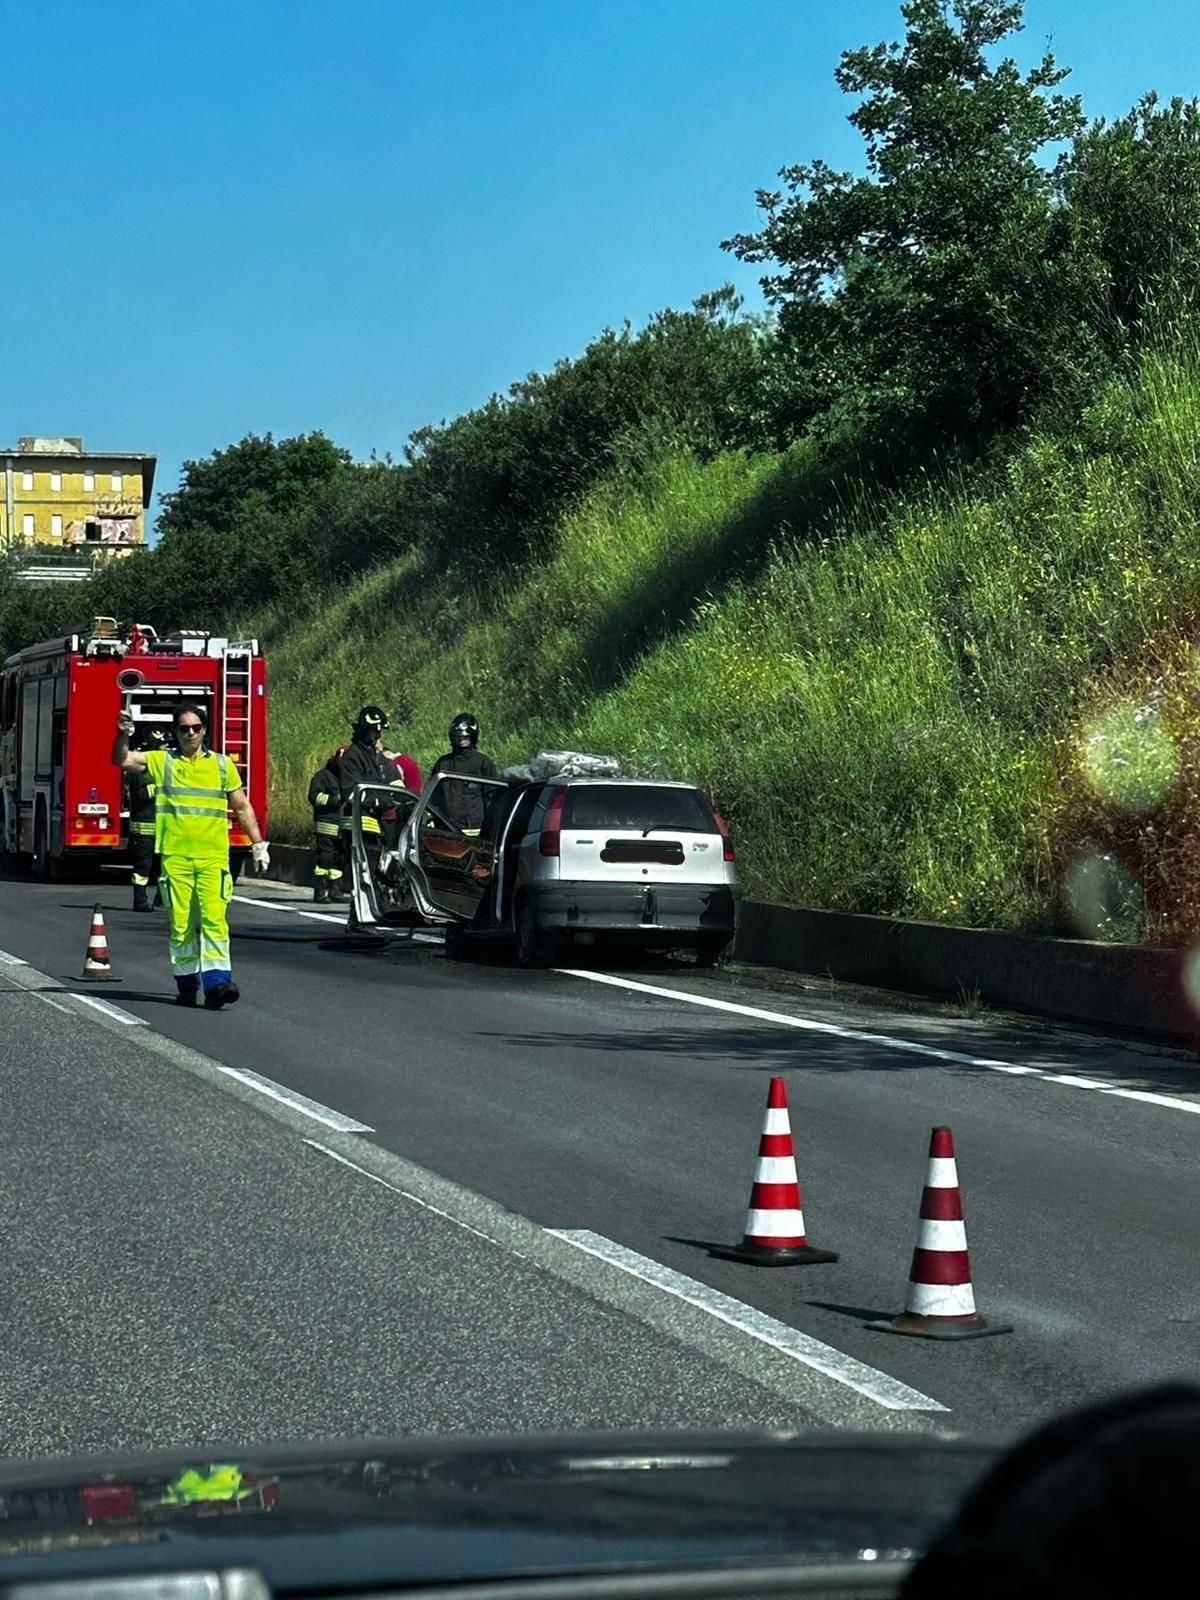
x=624, y=783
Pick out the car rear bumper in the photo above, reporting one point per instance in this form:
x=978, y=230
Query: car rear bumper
x=632, y=909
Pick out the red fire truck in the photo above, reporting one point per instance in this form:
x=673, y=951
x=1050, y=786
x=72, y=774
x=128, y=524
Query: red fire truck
x=62, y=802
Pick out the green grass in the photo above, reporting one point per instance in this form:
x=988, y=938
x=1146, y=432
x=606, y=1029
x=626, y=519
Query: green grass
x=880, y=694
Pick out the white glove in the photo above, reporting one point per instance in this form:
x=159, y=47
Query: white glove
x=125, y=722
x=262, y=855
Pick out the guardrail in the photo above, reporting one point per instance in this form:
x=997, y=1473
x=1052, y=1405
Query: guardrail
x=53, y=574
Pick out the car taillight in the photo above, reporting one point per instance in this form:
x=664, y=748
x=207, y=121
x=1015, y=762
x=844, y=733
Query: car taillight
x=550, y=842
x=726, y=842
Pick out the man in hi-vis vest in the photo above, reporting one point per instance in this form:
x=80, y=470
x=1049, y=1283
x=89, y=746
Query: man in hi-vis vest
x=195, y=787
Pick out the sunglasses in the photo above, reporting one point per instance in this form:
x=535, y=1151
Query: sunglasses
x=189, y=727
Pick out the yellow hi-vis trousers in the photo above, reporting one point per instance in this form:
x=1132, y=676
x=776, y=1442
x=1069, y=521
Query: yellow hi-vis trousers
x=197, y=895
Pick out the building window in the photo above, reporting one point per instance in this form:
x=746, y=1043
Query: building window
x=89, y=483
x=27, y=482
x=56, y=526
x=56, y=482
x=118, y=483
x=27, y=525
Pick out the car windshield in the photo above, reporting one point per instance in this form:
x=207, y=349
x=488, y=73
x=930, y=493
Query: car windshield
x=636, y=806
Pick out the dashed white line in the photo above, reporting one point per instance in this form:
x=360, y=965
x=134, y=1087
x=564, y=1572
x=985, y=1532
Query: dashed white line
x=869, y=1381
x=325, y=1115
x=887, y=1041
x=115, y=1012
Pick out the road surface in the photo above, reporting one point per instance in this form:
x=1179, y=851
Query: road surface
x=389, y=1192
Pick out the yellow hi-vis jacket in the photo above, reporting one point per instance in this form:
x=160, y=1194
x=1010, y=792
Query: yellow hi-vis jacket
x=192, y=803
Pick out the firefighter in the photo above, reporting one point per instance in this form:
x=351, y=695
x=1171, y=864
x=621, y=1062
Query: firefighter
x=465, y=804
x=141, y=824
x=324, y=796
x=196, y=789
x=362, y=761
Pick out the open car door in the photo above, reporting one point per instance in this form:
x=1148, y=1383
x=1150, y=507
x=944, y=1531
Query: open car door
x=391, y=807
x=451, y=868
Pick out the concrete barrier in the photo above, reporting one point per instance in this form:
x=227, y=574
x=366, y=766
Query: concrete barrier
x=1119, y=987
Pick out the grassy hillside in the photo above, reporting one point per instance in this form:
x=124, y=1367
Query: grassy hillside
x=886, y=699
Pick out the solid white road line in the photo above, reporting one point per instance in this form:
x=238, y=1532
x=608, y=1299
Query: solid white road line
x=874, y=1385
x=11, y=961
x=284, y=905
x=404, y=1194
x=298, y=1102
x=324, y=916
x=887, y=1041
x=115, y=1012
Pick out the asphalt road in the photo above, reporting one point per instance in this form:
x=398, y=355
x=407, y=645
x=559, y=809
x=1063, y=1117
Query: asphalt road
x=192, y=1253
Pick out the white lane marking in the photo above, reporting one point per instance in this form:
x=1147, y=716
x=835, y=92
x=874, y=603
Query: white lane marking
x=115, y=1012
x=298, y=1102
x=404, y=1193
x=12, y=961
x=324, y=916
x=58, y=1006
x=887, y=1040
x=875, y=1385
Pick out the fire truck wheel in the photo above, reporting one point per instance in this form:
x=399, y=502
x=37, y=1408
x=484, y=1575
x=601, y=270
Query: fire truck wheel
x=237, y=863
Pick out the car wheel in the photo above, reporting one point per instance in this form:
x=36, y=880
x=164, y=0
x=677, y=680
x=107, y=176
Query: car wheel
x=455, y=945
x=710, y=950
x=536, y=947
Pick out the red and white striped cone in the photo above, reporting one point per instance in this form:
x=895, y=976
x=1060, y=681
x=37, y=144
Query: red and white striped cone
x=774, y=1235
x=97, y=968
x=941, y=1301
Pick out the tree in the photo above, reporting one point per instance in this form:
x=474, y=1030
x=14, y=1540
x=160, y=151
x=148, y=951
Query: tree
x=936, y=293
x=1132, y=191
x=486, y=489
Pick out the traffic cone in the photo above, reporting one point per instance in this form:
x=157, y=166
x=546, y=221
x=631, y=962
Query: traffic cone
x=97, y=968
x=941, y=1301
x=774, y=1235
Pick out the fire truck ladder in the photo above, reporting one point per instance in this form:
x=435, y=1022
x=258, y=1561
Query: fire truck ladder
x=236, y=707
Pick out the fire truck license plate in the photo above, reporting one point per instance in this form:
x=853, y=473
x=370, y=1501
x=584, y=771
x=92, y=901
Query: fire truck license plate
x=90, y=809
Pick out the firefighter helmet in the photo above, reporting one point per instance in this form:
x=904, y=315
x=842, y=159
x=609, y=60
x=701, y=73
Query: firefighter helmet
x=464, y=730
x=371, y=721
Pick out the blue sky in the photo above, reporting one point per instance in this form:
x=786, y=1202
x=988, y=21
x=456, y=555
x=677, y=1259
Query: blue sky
x=279, y=215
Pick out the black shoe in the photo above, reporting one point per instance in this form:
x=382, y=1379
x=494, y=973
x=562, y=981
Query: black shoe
x=321, y=892
x=223, y=994
x=338, y=891
x=186, y=997
x=141, y=898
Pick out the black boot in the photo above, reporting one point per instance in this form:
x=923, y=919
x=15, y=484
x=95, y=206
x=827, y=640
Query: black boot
x=321, y=891
x=223, y=994
x=141, y=897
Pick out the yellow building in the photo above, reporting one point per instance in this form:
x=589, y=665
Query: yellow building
x=57, y=493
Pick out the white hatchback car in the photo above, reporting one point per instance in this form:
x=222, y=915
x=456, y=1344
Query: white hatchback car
x=574, y=859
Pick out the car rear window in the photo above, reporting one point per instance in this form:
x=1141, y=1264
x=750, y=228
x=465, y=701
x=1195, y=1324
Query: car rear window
x=626, y=805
